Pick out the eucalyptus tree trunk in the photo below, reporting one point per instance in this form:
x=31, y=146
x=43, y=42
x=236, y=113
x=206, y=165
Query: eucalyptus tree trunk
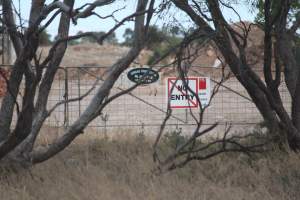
x=38, y=75
x=264, y=93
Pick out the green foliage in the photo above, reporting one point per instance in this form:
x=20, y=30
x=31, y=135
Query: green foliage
x=160, y=41
x=163, y=41
x=175, y=30
x=44, y=38
x=160, y=50
x=111, y=39
x=74, y=42
x=297, y=49
x=128, y=36
x=156, y=37
x=174, y=139
x=275, y=6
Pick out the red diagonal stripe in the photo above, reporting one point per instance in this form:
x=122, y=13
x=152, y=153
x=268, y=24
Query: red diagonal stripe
x=182, y=92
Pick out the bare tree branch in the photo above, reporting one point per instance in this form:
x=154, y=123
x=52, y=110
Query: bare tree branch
x=88, y=11
x=296, y=25
x=93, y=108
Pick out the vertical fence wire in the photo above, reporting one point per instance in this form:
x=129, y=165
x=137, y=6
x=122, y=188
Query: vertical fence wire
x=144, y=107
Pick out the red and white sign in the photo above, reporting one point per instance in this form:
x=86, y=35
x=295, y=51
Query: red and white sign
x=180, y=96
x=204, y=91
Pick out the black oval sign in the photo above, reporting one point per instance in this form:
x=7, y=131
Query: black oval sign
x=143, y=75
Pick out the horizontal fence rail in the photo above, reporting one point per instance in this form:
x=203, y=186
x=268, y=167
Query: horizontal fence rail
x=147, y=104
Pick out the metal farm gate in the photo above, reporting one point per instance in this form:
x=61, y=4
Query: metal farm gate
x=146, y=106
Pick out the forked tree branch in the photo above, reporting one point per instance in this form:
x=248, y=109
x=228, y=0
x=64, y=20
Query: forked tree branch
x=92, y=110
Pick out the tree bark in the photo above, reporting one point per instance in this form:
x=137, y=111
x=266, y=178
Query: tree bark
x=266, y=99
x=92, y=111
x=284, y=39
x=40, y=109
x=239, y=68
x=7, y=107
x=25, y=52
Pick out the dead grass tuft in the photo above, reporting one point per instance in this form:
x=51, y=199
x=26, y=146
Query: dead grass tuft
x=120, y=168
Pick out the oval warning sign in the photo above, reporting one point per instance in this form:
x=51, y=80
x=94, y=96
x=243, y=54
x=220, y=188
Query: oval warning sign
x=143, y=75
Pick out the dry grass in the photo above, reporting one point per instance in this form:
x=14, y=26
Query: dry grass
x=120, y=168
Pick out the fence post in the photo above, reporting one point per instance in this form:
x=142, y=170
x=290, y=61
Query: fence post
x=3, y=46
x=79, y=91
x=186, y=116
x=66, y=97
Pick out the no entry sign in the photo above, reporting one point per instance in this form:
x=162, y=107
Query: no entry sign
x=180, y=97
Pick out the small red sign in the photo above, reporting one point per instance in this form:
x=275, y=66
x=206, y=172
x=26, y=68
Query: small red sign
x=202, y=83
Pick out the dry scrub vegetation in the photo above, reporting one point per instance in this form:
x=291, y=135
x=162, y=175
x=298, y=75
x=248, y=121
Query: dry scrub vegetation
x=121, y=168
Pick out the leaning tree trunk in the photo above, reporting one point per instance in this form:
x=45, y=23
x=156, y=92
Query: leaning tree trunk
x=265, y=96
x=40, y=110
x=18, y=143
x=98, y=102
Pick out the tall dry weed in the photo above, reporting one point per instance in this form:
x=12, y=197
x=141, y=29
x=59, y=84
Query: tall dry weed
x=121, y=168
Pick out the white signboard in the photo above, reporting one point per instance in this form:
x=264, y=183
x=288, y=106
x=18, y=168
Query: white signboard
x=204, y=90
x=180, y=97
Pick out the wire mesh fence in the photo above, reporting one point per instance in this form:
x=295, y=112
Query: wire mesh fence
x=147, y=105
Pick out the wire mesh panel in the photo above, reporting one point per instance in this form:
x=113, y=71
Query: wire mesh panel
x=147, y=104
